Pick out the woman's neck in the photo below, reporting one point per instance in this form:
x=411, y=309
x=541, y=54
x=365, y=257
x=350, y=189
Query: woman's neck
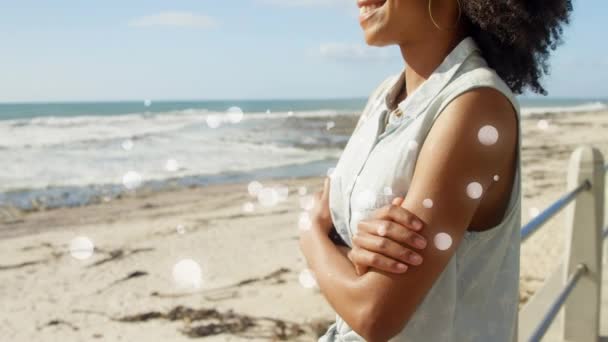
x=423, y=57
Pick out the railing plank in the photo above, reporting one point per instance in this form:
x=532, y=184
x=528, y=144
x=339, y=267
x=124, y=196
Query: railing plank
x=557, y=303
x=551, y=211
x=579, y=318
x=584, y=222
x=536, y=307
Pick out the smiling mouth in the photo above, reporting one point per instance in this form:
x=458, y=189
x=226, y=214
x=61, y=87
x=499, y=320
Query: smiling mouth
x=368, y=8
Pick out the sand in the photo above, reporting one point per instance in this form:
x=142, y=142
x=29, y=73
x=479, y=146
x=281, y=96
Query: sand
x=250, y=261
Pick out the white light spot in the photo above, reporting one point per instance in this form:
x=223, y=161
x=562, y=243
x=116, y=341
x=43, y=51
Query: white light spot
x=187, y=274
x=330, y=171
x=181, y=229
x=307, y=279
x=282, y=192
x=534, y=212
x=214, y=120
x=254, y=187
x=268, y=197
x=127, y=145
x=365, y=199
x=171, y=165
x=330, y=125
x=147, y=103
x=388, y=191
x=290, y=113
x=302, y=190
x=474, y=190
x=81, y=248
x=427, y=203
x=267, y=111
x=307, y=202
x=131, y=180
x=304, y=221
x=543, y=124
x=442, y=241
x=412, y=145
x=234, y=114
x=496, y=178
x=488, y=135
x=248, y=207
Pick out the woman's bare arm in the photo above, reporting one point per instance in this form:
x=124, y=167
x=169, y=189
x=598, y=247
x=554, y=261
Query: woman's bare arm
x=455, y=166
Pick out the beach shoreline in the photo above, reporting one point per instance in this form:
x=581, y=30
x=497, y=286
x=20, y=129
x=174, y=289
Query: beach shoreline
x=250, y=261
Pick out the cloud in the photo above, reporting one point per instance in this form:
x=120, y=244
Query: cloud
x=308, y=3
x=354, y=52
x=174, y=19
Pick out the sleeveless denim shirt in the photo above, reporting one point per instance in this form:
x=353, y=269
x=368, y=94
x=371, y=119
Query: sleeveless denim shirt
x=476, y=296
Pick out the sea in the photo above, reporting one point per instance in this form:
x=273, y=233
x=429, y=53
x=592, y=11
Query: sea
x=76, y=153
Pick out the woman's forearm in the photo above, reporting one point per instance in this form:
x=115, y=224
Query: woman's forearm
x=336, y=278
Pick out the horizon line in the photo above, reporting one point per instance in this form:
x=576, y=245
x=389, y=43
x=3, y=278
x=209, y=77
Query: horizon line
x=90, y=101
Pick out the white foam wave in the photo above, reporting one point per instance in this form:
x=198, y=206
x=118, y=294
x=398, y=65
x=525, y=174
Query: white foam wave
x=45, y=131
x=84, y=167
x=584, y=107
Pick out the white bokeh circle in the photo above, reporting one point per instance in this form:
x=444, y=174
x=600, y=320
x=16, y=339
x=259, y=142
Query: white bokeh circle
x=474, y=190
x=307, y=279
x=131, y=180
x=488, y=135
x=234, y=114
x=187, y=274
x=254, y=187
x=171, y=165
x=442, y=241
x=81, y=248
x=268, y=197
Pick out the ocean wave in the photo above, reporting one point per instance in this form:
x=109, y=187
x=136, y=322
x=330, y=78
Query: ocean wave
x=84, y=167
x=583, y=107
x=52, y=130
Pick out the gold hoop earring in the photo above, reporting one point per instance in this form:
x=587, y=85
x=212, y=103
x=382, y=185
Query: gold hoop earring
x=437, y=25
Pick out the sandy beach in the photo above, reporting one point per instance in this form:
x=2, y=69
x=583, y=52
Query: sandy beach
x=250, y=261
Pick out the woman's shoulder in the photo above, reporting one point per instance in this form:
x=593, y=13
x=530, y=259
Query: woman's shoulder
x=483, y=75
x=481, y=86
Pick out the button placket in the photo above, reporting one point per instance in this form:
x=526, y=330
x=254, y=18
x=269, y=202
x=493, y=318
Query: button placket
x=378, y=106
x=362, y=166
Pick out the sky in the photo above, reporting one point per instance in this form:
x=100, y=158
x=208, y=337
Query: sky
x=70, y=50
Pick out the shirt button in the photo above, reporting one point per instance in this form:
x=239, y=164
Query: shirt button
x=398, y=112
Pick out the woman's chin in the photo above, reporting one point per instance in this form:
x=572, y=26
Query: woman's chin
x=374, y=39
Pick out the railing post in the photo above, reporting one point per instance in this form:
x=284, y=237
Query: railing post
x=584, y=220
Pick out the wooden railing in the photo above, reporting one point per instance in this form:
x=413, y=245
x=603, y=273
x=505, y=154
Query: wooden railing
x=575, y=286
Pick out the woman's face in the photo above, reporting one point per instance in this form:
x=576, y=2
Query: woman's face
x=386, y=22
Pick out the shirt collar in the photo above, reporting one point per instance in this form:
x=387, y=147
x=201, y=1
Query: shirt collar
x=417, y=101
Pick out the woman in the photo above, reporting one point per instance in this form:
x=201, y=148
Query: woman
x=435, y=157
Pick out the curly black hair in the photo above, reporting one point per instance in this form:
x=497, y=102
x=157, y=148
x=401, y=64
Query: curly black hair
x=517, y=36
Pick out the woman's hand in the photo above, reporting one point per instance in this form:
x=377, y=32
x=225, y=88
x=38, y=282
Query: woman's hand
x=319, y=214
x=381, y=240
